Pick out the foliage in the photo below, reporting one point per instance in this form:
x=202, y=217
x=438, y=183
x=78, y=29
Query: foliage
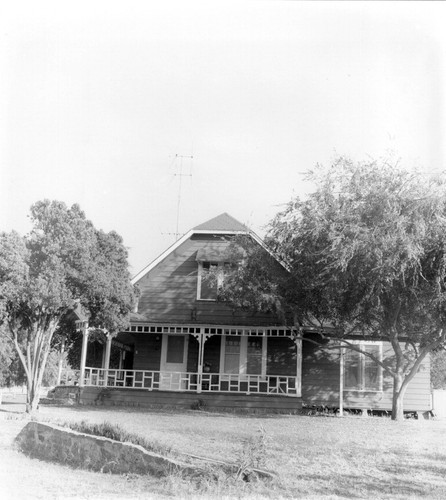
x=367, y=250
x=51, y=369
x=62, y=263
x=438, y=370
x=11, y=370
x=252, y=455
x=252, y=279
x=366, y=257
x=199, y=405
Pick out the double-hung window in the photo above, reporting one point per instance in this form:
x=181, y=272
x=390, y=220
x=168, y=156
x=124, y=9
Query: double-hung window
x=243, y=355
x=361, y=372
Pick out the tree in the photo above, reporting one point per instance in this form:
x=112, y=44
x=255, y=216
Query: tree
x=63, y=262
x=11, y=370
x=438, y=370
x=366, y=257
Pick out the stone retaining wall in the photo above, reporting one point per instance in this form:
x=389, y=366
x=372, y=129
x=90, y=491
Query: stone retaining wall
x=53, y=443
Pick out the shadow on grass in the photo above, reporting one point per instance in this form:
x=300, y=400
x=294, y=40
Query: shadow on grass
x=171, y=411
x=366, y=486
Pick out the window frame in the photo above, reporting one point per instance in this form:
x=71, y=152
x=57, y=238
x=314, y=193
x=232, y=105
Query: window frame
x=243, y=356
x=361, y=387
x=220, y=267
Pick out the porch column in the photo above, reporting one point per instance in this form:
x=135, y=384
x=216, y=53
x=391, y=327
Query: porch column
x=201, y=337
x=85, y=332
x=61, y=356
x=106, y=361
x=298, y=342
x=341, y=381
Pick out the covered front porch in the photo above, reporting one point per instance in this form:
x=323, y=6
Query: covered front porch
x=205, y=359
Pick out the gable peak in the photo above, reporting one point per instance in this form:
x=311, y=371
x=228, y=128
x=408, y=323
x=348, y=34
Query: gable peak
x=223, y=222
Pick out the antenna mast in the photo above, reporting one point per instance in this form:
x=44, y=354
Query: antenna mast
x=180, y=175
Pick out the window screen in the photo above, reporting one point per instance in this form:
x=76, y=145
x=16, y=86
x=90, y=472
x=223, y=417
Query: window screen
x=232, y=355
x=254, y=362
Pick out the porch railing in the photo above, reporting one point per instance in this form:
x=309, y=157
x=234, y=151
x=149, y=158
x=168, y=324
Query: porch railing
x=193, y=382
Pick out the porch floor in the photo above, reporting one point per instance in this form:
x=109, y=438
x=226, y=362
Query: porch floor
x=215, y=401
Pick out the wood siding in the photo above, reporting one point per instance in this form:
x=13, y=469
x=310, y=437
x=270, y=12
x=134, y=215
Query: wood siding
x=320, y=383
x=169, y=291
x=186, y=400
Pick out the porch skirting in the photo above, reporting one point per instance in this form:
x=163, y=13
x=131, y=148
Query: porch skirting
x=142, y=398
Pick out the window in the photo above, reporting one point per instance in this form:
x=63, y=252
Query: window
x=243, y=355
x=232, y=355
x=175, y=349
x=254, y=356
x=362, y=373
x=205, y=289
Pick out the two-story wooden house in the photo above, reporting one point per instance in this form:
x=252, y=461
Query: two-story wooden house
x=186, y=349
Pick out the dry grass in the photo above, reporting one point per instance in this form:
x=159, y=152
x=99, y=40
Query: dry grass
x=315, y=457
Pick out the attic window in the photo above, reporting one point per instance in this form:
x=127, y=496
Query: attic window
x=205, y=289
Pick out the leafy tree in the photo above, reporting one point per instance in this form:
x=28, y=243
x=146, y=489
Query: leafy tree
x=11, y=370
x=366, y=257
x=438, y=370
x=63, y=262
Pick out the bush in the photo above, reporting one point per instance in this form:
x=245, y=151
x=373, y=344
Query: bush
x=200, y=404
x=252, y=454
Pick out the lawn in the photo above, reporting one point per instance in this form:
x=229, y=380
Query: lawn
x=315, y=457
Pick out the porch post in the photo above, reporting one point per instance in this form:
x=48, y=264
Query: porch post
x=298, y=342
x=201, y=337
x=106, y=361
x=85, y=332
x=341, y=382
x=61, y=355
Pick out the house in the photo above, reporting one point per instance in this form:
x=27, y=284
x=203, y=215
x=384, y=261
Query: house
x=184, y=348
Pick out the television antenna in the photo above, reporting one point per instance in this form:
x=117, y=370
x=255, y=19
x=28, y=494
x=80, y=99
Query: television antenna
x=179, y=159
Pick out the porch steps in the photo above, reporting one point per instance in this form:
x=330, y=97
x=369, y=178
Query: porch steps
x=188, y=400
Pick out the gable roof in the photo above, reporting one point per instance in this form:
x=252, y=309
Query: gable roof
x=222, y=224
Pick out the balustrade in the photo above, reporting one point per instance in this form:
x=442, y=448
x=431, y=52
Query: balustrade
x=188, y=381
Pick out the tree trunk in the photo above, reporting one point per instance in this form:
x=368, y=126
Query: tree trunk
x=399, y=390
x=32, y=398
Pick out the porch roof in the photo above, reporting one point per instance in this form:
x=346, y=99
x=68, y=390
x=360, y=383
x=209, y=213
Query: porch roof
x=208, y=329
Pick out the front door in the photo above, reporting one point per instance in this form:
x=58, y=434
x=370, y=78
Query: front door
x=174, y=362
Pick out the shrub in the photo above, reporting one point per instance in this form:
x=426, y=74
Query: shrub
x=200, y=404
x=252, y=455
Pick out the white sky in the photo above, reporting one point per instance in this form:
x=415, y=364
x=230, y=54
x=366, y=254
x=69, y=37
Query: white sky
x=97, y=98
